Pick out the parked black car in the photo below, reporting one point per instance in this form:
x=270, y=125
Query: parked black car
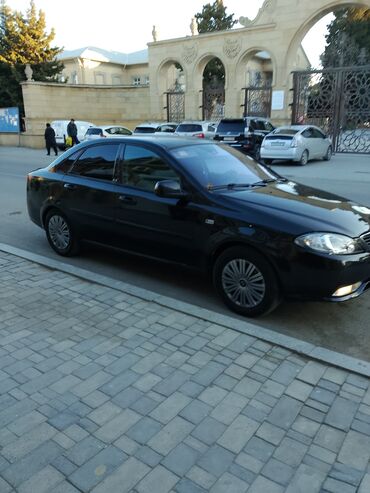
x=207, y=206
x=245, y=134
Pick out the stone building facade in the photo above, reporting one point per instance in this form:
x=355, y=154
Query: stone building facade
x=277, y=30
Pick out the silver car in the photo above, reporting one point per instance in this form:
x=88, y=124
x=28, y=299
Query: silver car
x=298, y=143
x=202, y=129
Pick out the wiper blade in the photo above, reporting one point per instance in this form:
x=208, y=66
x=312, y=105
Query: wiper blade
x=230, y=186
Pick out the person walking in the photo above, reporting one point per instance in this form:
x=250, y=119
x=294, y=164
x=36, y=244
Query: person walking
x=72, y=132
x=50, y=139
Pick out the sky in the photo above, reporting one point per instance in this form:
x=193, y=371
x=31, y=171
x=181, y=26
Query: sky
x=126, y=25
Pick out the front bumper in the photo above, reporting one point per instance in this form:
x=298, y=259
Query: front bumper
x=313, y=276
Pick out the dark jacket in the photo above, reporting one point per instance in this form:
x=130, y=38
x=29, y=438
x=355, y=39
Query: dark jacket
x=72, y=129
x=50, y=136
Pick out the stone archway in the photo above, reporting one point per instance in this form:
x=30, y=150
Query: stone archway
x=255, y=77
x=316, y=10
x=213, y=90
x=171, y=85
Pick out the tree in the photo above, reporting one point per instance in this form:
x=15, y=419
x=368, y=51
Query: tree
x=214, y=18
x=348, y=38
x=24, y=40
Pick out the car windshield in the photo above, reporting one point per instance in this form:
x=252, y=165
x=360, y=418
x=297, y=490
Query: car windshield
x=94, y=131
x=213, y=165
x=233, y=126
x=144, y=130
x=286, y=131
x=189, y=127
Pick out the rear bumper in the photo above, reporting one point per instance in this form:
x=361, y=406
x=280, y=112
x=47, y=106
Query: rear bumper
x=291, y=154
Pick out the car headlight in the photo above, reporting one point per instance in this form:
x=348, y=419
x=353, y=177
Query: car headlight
x=331, y=243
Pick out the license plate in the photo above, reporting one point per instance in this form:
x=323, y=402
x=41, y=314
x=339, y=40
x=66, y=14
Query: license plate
x=277, y=144
x=229, y=138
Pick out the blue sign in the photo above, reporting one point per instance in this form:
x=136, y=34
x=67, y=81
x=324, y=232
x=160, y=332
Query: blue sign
x=9, y=120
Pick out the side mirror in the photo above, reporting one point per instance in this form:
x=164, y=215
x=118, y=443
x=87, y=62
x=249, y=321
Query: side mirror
x=169, y=189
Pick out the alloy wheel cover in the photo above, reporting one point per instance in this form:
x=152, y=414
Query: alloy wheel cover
x=243, y=283
x=59, y=232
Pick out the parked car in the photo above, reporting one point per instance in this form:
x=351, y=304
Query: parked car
x=201, y=129
x=205, y=205
x=106, y=131
x=60, y=128
x=168, y=128
x=245, y=134
x=147, y=128
x=298, y=143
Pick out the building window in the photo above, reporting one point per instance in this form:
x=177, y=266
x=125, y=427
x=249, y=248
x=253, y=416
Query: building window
x=116, y=80
x=74, y=78
x=136, y=81
x=99, y=78
x=146, y=80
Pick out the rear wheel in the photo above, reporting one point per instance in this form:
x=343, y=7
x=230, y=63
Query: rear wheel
x=246, y=282
x=304, y=158
x=328, y=154
x=257, y=153
x=60, y=234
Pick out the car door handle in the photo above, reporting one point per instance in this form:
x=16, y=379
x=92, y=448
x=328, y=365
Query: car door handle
x=127, y=199
x=70, y=186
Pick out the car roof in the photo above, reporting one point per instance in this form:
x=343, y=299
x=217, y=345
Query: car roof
x=163, y=142
x=299, y=128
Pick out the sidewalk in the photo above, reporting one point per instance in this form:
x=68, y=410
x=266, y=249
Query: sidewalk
x=109, y=391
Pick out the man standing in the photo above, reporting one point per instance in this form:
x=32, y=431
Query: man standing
x=50, y=139
x=72, y=132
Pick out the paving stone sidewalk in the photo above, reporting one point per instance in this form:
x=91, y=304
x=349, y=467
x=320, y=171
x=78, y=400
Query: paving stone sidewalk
x=101, y=391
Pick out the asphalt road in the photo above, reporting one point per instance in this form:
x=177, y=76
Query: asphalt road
x=341, y=327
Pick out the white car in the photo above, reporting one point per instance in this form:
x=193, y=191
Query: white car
x=298, y=143
x=167, y=128
x=106, y=131
x=60, y=128
x=202, y=129
x=147, y=127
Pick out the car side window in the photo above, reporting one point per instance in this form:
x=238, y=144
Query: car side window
x=122, y=131
x=252, y=125
x=260, y=125
x=143, y=168
x=268, y=126
x=317, y=134
x=307, y=133
x=67, y=163
x=97, y=162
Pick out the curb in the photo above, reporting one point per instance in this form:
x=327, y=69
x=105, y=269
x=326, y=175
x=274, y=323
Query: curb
x=304, y=348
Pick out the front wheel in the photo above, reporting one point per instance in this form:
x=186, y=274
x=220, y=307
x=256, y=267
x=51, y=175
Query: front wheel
x=246, y=282
x=60, y=234
x=328, y=154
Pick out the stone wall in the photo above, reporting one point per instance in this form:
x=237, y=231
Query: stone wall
x=44, y=102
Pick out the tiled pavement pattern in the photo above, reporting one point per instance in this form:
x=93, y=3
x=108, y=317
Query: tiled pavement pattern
x=102, y=392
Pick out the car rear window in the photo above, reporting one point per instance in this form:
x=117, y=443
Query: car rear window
x=144, y=130
x=189, y=127
x=286, y=131
x=233, y=126
x=94, y=131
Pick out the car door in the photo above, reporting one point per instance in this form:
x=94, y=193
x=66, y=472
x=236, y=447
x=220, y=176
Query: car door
x=310, y=142
x=149, y=224
x=321, y=143
x=88, y=196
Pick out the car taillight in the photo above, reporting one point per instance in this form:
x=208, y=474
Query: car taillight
x=200, y=135
x=294, y=142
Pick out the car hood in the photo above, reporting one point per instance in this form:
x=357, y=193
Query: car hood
x=298, y=209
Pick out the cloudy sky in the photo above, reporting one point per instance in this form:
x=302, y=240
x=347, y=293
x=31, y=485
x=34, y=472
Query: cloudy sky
x=126, y=25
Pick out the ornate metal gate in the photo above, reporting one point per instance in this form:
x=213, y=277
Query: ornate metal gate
x=175, y=106
x=257, y=101
x=337, y=100
x=213, y=105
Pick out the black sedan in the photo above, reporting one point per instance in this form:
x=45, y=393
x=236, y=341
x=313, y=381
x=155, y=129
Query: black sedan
x=207, y=206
